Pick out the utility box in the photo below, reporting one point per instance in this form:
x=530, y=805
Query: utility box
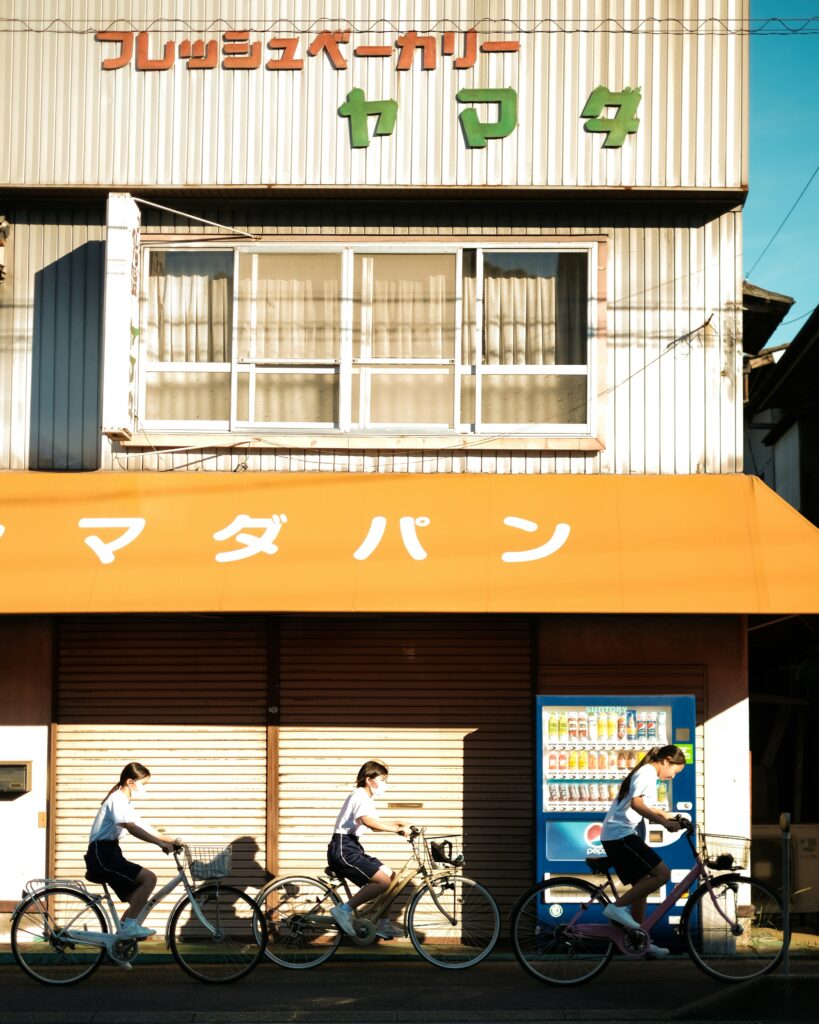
x=15, y=778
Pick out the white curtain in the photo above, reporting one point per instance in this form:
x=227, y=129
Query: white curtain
x=189, y=296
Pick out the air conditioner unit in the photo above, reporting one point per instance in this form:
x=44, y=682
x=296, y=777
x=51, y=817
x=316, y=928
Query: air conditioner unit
x=766, y=863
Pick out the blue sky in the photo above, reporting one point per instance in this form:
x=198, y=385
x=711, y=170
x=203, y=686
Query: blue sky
x=784, y=126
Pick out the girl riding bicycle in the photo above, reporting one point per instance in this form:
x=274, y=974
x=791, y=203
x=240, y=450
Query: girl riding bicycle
x=104, y=860
x=623, y=836
x=346, y=855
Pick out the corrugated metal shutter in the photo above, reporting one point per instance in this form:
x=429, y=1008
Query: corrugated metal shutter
x=445, y=701
x=186, y=697
x=637, y=680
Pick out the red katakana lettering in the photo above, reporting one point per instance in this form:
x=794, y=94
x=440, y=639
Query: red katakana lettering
x=199, y=54
x=145, y=63
x=408, y=44
x=240, y=53
x=329, y=41
x=125, y=40
x=288, y=60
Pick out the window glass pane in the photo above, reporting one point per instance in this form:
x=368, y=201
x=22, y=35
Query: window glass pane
x=469, y=315
x=533, y=400
x=467, y=399
x=289, y=398
x=188, y=307
x=535, y=308
x=187, y=396
x=289, y=305
x=418, y=399
x=404, y=306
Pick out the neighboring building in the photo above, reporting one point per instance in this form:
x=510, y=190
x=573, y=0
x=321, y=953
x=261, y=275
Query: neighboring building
x=405, y=413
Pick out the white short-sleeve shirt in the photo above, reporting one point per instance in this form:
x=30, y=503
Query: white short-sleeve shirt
x=357, y=804
x=114, y=812
x=622, y=820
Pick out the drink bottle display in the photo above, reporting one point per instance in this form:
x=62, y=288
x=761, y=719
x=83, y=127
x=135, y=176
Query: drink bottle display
x=588, y=749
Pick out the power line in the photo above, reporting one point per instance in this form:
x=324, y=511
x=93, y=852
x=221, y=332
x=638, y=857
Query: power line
x=784, y=219
x=798, y=318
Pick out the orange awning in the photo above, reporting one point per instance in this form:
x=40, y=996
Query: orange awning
x=172, y=542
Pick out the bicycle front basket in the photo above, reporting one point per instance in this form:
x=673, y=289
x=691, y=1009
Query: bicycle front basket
x=445, y=850
x=209, y=861
x=725, y=853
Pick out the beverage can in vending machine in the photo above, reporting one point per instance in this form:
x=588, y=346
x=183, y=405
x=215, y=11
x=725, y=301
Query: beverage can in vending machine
x=621, y=761
x=582, y=727
x=631, y=724
x=563, y=727
x=583, y=760
x=662, y=795
x=594, y=792
x=592, y=725
x=574, y=792
x=614, y=759
x=572, y=727
x=572, y=760
x=562, y=761
x=651, y=727
x=584, y=791
x=592, y=761
x=641, y=726
x=554, y=793
x=553, y=727
x=612, y=725
x=662, y=728
x=614, y=790
x=621, y=727
x=564, y=792
x=552, y=761
x=631, y=760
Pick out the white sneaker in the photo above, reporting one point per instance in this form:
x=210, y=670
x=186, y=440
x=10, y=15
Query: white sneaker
x=657, y=952
x=388, y=930
x=344, y=919
x=130, y=929
x=621, y=916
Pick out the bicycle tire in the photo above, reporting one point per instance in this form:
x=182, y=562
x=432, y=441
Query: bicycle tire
x=237, y=945
x=712, y=944
x=35, y=941
x=540, y=940
x=453, y=946
x=294, y=941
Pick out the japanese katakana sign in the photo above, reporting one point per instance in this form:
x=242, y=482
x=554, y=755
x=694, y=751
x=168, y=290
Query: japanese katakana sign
x=484, y=113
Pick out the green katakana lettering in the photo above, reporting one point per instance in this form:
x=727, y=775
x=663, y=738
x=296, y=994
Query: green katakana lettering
x=622, y=124
x=476, y=131
x=358, y=109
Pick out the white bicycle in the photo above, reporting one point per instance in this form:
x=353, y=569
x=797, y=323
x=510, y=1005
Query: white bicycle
x=61, y=932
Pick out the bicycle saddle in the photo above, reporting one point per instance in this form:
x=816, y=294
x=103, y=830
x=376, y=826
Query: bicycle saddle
x=598, y=865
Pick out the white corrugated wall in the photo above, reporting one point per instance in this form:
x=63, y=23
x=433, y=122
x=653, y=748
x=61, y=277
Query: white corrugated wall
x=77, y=124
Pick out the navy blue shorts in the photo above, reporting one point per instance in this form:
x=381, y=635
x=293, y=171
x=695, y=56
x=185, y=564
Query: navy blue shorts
x=347, y=858
x=632, y=858
x=104, y=863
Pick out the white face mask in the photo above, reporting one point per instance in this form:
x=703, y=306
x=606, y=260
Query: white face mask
x=378, y=786
x=139, y=788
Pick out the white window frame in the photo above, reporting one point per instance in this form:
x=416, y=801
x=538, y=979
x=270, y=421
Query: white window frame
x=344, y=366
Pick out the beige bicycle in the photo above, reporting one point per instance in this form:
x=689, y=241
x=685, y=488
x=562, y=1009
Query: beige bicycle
x=451, y=920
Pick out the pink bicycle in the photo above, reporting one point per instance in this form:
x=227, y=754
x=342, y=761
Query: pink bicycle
x=732, y=925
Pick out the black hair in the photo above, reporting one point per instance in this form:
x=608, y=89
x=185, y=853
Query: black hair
x=369, y=770
x=133, y=770
x=667, y=753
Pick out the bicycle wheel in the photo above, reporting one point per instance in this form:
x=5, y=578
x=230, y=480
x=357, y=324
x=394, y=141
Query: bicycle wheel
x=300, y=931
x=231, y=941
x=542, y=935
x=39, y=941
x=453, y=922
x=734, y=931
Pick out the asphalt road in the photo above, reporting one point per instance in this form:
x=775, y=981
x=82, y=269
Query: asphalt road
x=409, y=991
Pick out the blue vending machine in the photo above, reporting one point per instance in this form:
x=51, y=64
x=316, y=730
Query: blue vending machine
x=585, y=747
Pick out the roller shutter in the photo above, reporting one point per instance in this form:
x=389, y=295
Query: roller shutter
x=186, y=697
x=445, y=701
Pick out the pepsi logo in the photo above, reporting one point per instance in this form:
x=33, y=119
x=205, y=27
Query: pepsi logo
x=593, y=833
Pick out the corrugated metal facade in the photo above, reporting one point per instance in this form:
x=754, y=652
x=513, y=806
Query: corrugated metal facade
x=77, y=124
x=671, y=397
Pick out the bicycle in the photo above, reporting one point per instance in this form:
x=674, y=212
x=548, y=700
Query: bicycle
x=452, y=921
x=732, y=924
x=61, y=932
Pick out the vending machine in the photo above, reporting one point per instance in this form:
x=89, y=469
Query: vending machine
x=585, y=748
